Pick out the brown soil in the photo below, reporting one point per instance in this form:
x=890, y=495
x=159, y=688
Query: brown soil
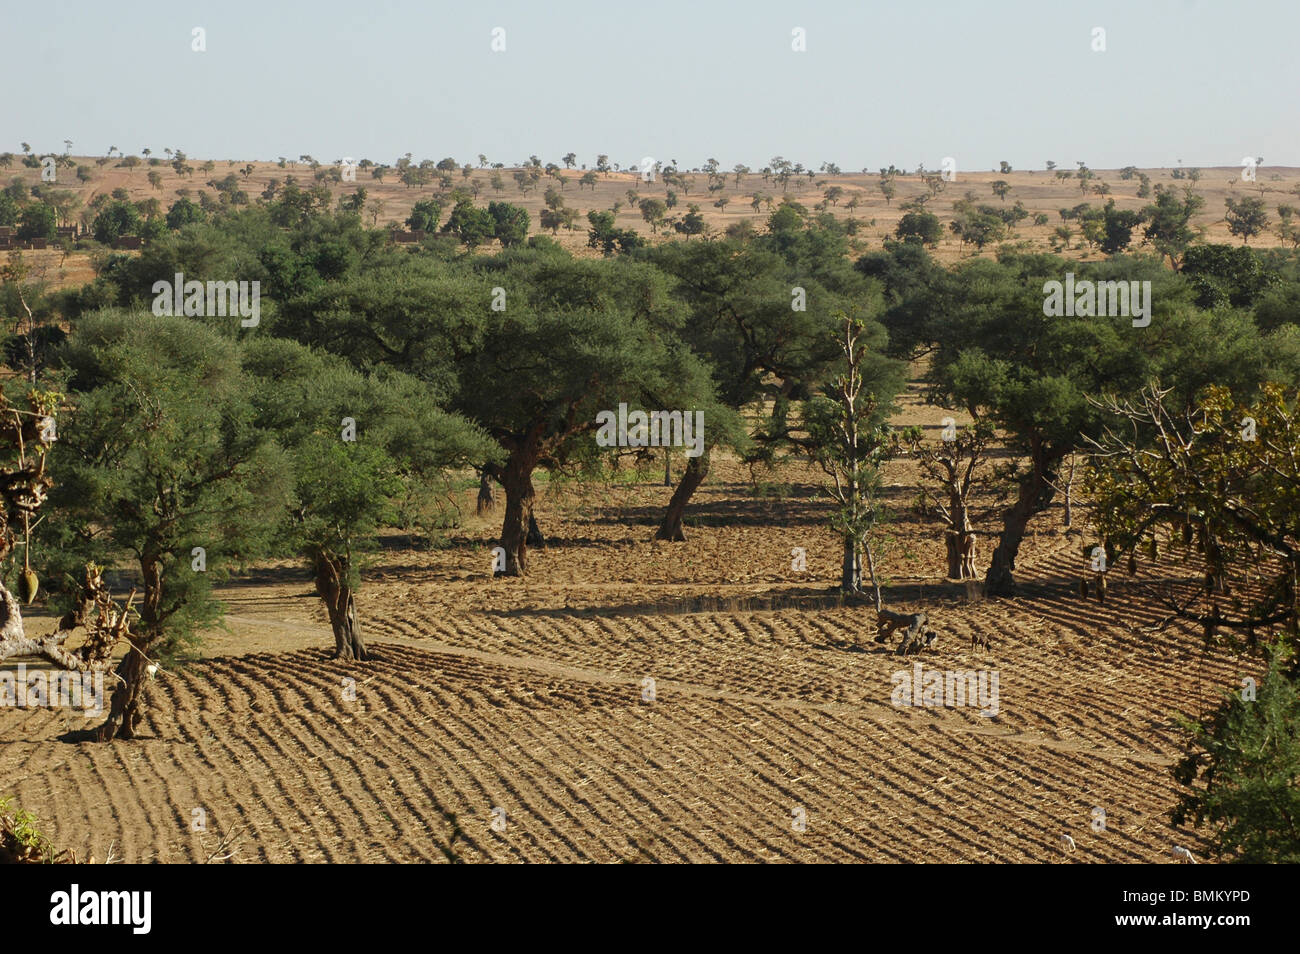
x=527, y=695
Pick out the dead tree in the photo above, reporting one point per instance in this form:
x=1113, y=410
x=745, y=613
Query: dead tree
x=25, y=439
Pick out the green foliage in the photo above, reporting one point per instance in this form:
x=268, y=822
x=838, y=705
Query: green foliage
x=789, y=216
x=977, y=225
x=21, y=841
x=1246, y=217
x=1168, y=221
x=1227, y=275
x=425, y=215
x=183, y=212
x=1117, y=228
x=1219, y=488
x=920, y=226
x=1243, y=773
x=160, y=456
x=115, y=220
x=472, y=225
x=37, y=220
x=607, y=237
x=510, y=223
x=9, y=210
x=653, y=211
x=345, y=490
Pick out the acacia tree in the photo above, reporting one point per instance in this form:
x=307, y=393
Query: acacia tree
x=850, y=441
x=1031, y=374
x=357, y=445
x=161, y=461
x=1219, y=485
x=1168, y=222
x=954, y=462
x=1222, y=482
x=28, y=351
x=1246, y=217
x=576, y=338
x=761, y=314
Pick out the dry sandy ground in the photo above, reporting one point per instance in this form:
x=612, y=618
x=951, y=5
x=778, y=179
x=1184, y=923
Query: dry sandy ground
x=1039, y=190
x=528, y=696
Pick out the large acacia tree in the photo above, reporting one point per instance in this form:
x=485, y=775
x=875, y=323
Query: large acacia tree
x=357, y=445
x=160, y=462
x=574, y=339
x=762, y=314
x=1032, y=375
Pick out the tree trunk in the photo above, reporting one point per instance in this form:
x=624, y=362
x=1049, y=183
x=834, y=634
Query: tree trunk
x=959, y=540
x=851, y=567
x=668, y=467
x=535, y=538
x=697, y=468
x=486, y=502
x=953, y=545
x=871, y=565
x=517, y=479
x=127, y=709
x=1036, y=492
x=340, y=603
x=1069, y=495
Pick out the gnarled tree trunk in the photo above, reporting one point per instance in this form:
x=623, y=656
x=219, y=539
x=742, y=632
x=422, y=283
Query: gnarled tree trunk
x=126, y=711
x=1036, y=491
x=516, y=477
x=535, y=538
x=697, y=468
x=331, y=574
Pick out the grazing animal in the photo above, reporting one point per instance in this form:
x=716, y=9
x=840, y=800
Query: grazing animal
x=1067, y=843
x=926, y=640
x=979, y=641
x=887, y=621
x=1182, y=854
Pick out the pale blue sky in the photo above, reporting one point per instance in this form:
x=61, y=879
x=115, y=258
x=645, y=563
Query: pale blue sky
x=1205, y=81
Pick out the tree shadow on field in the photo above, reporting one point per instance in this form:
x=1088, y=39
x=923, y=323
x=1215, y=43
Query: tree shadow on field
x=758, y=512
x=893, y=597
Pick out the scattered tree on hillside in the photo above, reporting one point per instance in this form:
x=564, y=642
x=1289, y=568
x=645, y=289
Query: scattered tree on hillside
x=1246, y=217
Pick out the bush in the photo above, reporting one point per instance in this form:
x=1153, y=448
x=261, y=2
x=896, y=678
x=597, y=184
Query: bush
x=1247, y=755
x=20, y=840
x=921, y=227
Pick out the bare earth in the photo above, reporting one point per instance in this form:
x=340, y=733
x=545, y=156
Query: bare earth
x=527, y=695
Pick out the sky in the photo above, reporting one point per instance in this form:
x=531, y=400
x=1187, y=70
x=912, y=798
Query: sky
x=904, y=82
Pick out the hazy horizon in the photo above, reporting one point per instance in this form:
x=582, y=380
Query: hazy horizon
x=907, y=86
